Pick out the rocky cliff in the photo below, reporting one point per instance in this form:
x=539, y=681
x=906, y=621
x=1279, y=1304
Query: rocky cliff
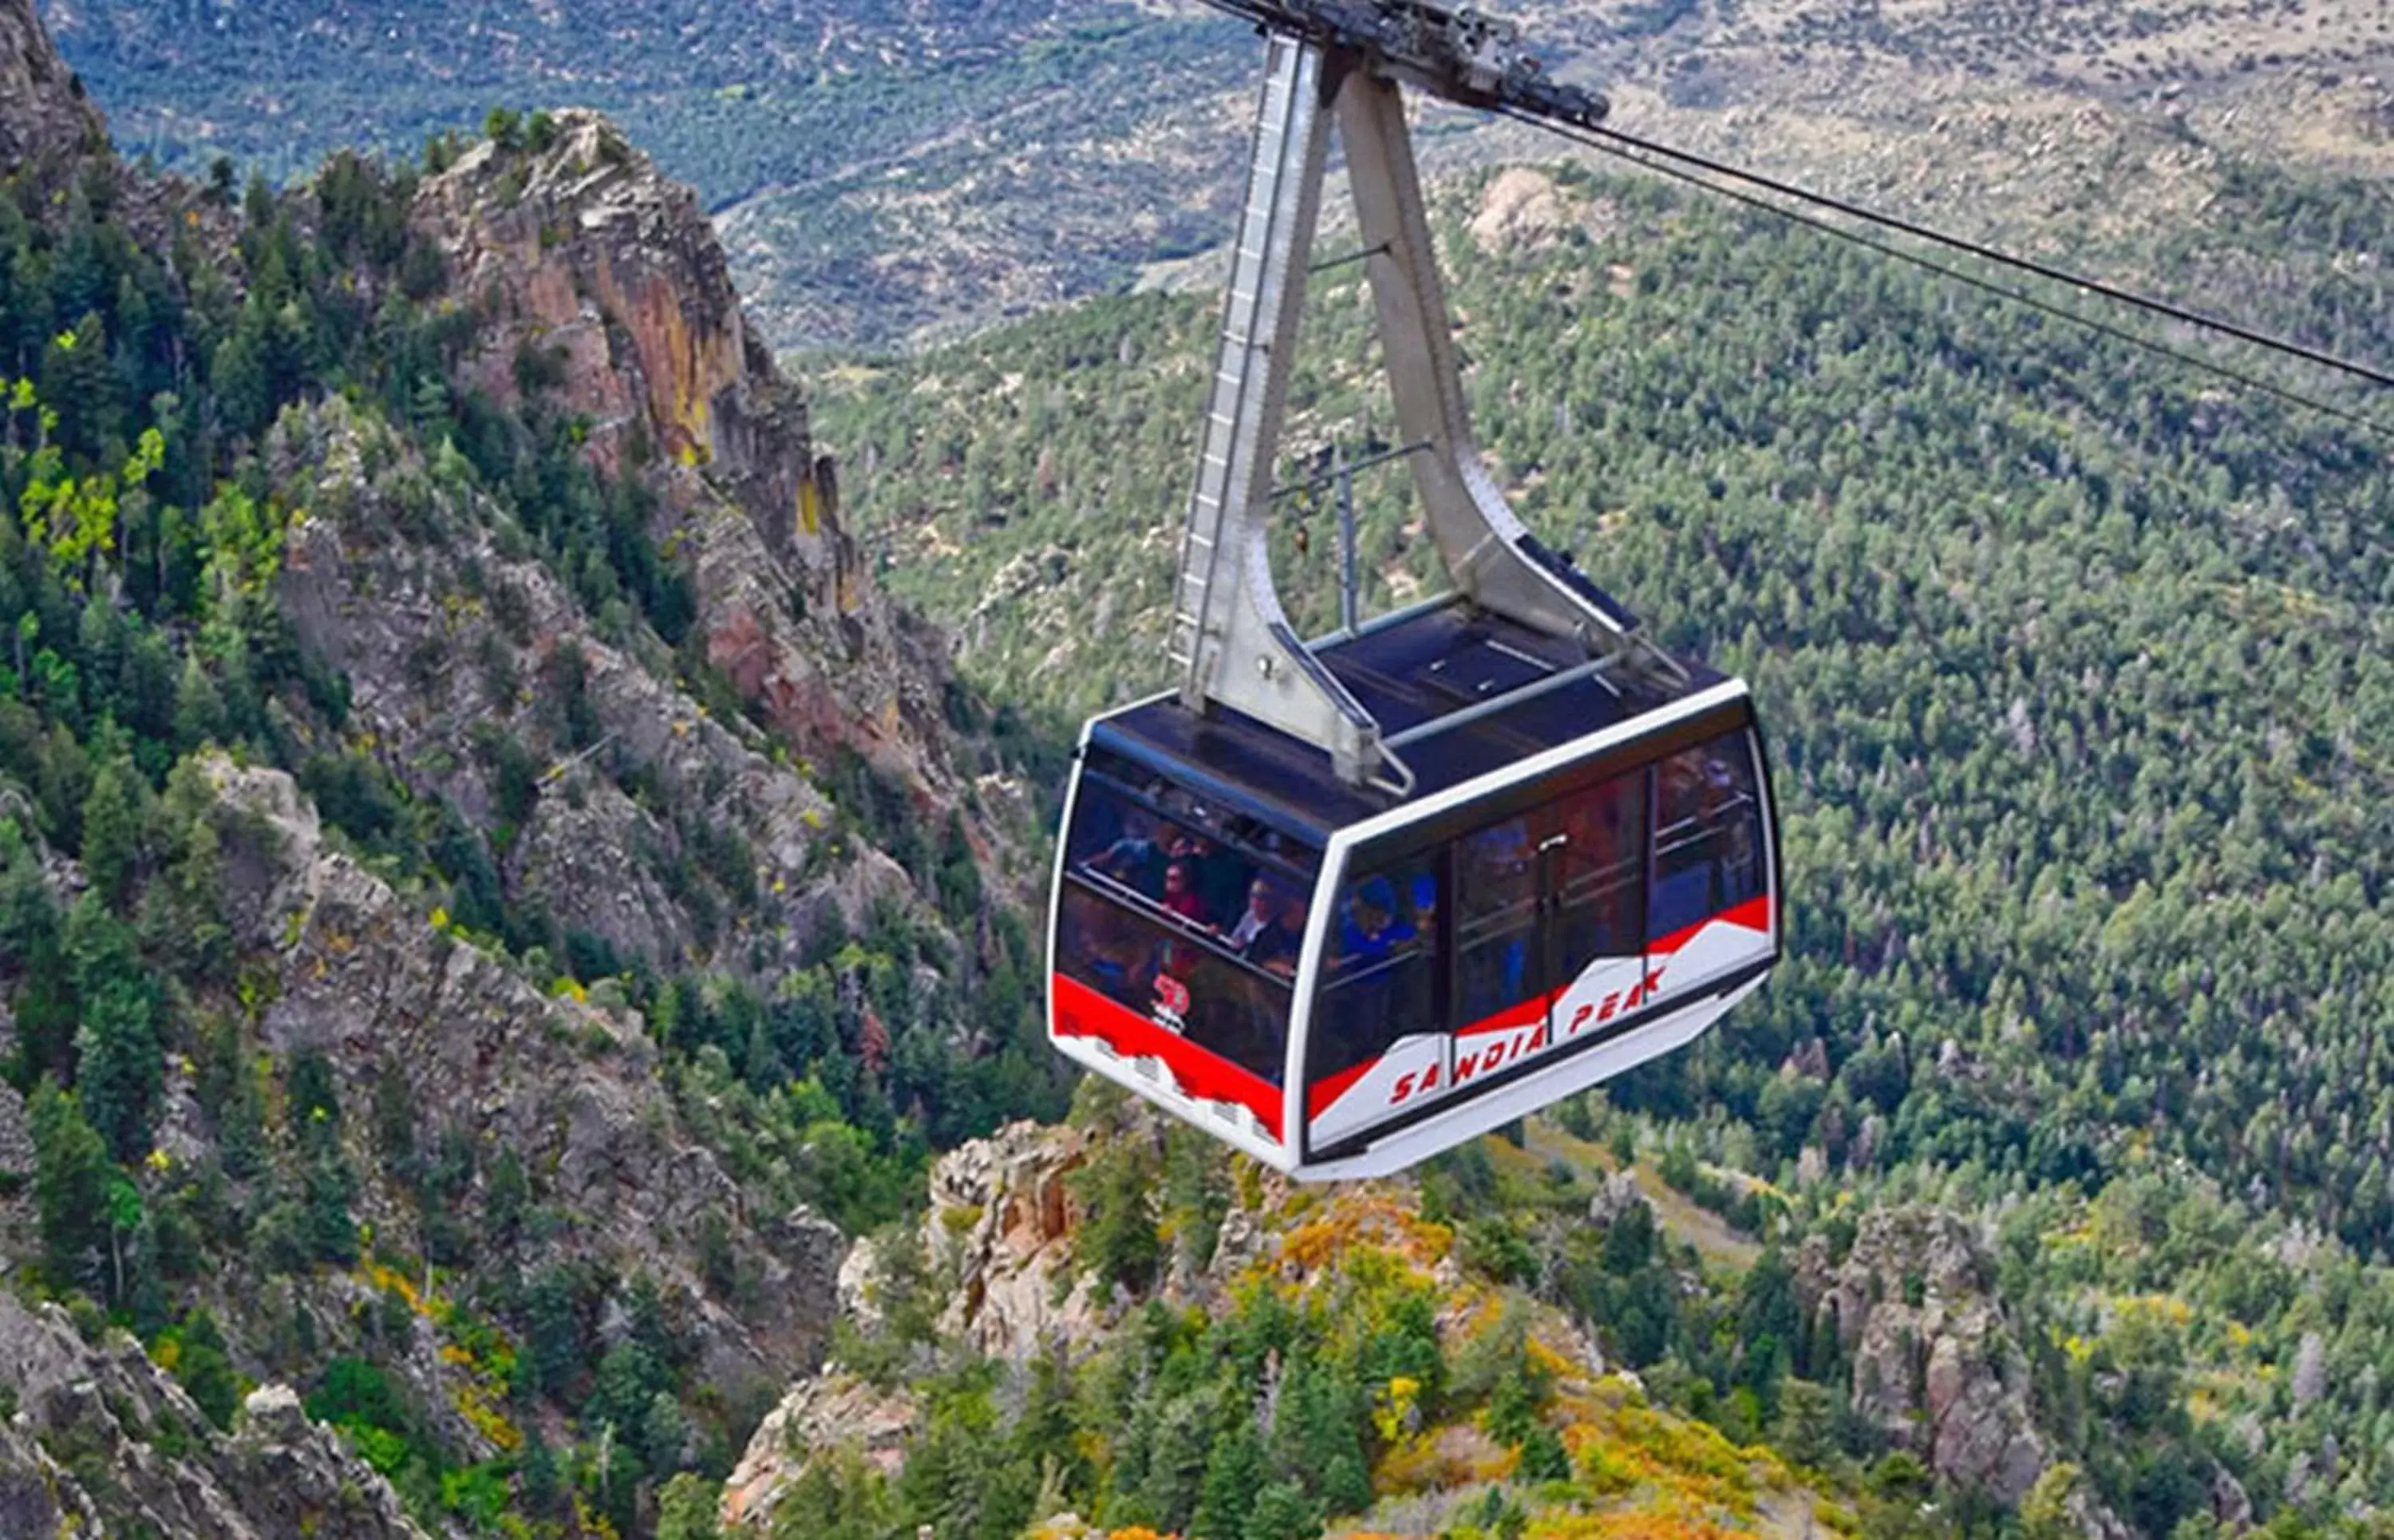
x=1937, y=1367
x=102, y=1441
x=500, y=728
x=452, y=635
x=473, y=1055
x=573, y=250
x=46, y=117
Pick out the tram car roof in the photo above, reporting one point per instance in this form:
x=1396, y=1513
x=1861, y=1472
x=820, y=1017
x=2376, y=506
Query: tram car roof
x=1436, y=663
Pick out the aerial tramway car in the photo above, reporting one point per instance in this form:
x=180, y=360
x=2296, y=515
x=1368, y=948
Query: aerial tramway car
x=1347, y=904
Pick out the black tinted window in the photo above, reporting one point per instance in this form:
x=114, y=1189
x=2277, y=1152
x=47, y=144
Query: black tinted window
x=1708, y=852
x=1186, y=984
x=1379, y=982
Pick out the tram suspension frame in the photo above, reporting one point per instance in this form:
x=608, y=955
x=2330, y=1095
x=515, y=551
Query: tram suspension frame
x=1230, y=639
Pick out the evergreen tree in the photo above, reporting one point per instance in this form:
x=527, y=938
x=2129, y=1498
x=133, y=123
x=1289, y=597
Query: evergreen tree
x=205, y=1369
x=111, y=832
x=32, y=947
x=119, y=1065
x=70, y=1189
x=1543, y=1457
x=688, y=1507
x=1281, y=1513
x=1117, y=1241
x=1234, y=1472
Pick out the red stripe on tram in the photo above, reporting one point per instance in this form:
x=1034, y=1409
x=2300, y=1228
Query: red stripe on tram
x=1323, y=1094
x=1082, y=1012
x=1529, y=1013
x=1753, y=915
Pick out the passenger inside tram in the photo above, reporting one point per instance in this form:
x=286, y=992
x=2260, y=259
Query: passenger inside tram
x=1262, y=912
x=1181, y=896
x=1275, y=951
x=1183, y=922
x=1138, y=859
x=1370, y=930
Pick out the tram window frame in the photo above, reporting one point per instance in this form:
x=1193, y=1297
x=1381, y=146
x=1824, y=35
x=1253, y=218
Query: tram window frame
x=1276, y=999
x=1224, y=874
x=1525, y=912
x=1415, y=962
x=1714, y=828
x=1296, y=860
x=1624, y=870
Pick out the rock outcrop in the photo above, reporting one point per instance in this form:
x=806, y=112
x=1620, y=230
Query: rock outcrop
x=408, y=584
x=998, y=1238
x=104, y=1442
x=833, y=1411
x=47, y=121
x=1001, y=1222
x=1936, y=1364
x=593, y=273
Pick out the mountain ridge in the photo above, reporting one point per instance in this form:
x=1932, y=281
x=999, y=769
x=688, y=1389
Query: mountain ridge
x=889, y=175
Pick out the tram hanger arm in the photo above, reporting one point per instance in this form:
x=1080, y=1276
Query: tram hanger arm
x=1464, y=57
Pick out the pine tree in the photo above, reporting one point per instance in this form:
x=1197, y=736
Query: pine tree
x=70, y=1181
x=119, y=1069
x=205, y=1370
x=1281, y=1513
x=1043, y=1433
x=199, y=708
x=111, y=832
x=30, y=941
x=1118, y=1241
x=687, y=1509
x=1543, y=1457
x=1234, y=1469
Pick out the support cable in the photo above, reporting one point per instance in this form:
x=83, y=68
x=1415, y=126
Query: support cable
x=1656, y=158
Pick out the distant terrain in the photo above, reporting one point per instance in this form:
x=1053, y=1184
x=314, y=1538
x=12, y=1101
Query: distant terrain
x=880, y=172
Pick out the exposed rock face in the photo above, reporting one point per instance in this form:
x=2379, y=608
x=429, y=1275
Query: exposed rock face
x=47, y=119
x=104, y=1442
x=1001, y=1217
x=1619, y=1194
x=999, y=1230
x=1936, y=1364
x=1524, y=209
x=999, y=1238
x=400, y=578
x=570, y=1088
x=833, y=1411
x=582, y=254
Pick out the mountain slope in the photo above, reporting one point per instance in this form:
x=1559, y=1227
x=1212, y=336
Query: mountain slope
x=2073, y=668
x=489, y=890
